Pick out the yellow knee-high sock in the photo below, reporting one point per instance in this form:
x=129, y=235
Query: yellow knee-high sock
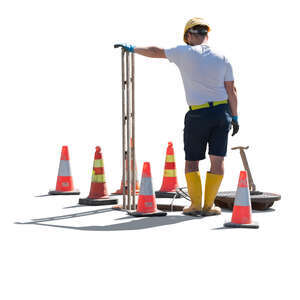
x=195, y=189
x=212, y=184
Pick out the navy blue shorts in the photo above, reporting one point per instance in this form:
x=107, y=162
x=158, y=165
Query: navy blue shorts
x=207, y=126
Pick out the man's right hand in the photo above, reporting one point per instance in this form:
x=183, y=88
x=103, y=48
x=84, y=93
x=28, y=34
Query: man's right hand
x=235, y=125
x=126, y=47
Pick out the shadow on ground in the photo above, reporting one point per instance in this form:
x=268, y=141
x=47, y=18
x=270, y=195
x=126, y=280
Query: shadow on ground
x=134, y=224
x=75, y=206
x=63, y=217
x=223, y=227
x=130, y=224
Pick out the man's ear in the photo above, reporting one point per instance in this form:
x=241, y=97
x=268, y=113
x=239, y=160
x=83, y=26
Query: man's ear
x=188, y=37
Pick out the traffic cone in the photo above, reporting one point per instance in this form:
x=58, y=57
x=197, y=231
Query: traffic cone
x=241, y=214
x=64, y=183
x=146, y=203
x=120, y=191
x=137, y=186
x=170, y=183
x=98, y=191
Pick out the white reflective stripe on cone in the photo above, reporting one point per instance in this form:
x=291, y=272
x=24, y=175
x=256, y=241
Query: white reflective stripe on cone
x=146, y=186
x=64, y=168
x=242, y=197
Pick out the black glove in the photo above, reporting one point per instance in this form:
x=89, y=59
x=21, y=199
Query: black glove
x=235, y=125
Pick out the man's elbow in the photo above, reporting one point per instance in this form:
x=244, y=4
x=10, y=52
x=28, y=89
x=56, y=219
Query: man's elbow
x=158, y=53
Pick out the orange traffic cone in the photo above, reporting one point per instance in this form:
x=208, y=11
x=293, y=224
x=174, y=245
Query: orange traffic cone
x=64, y=183
x=137, y=187
x=241, y=214
x=169, y=184
x=98, y=192
x=146, y=203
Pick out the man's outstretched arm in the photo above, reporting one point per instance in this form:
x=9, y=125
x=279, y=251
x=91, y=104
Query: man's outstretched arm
x=153, y=52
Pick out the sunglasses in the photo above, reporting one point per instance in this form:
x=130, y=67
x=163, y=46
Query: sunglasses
x=198, y=31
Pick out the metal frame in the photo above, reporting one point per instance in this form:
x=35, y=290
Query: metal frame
x=128, y=131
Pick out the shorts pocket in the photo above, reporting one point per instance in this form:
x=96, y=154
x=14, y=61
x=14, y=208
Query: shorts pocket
x=228, y=116
x=227, y=120
x=187, y=122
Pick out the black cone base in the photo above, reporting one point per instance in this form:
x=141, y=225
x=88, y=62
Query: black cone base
x=97, y=202
x=157, y=213
x=234, y=225
x=54, y=192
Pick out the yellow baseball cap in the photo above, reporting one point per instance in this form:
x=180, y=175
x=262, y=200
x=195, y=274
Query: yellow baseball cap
x=194, y=22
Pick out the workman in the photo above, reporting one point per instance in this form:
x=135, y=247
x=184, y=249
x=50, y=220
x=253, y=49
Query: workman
x=212, y=99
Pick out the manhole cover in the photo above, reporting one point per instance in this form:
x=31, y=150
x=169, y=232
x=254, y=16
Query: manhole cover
x=259, y=200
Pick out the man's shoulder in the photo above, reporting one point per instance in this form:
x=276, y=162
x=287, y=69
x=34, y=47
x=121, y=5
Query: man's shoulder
x=219, y=54
x=178, y=50
x=182, y=47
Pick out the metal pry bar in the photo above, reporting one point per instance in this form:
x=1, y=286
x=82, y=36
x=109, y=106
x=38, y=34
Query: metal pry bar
x=246, y=165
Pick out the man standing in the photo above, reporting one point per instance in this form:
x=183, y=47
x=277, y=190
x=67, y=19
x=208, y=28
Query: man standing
x=212, y=99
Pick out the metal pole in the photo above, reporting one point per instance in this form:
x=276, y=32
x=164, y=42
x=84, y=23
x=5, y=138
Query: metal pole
x=128, y=104
x=133, y=131
x=124, y=123
x=128, y=130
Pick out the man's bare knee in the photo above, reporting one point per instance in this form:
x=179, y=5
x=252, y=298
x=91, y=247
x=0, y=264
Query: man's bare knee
x=191, y=166
x=217, y=164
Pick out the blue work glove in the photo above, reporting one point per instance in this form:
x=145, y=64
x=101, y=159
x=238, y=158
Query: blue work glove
x=235, y=125
x=126, y=47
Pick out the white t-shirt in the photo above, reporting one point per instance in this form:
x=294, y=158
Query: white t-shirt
x=203, y=73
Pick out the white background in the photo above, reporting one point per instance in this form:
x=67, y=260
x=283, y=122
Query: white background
x=60, y=84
